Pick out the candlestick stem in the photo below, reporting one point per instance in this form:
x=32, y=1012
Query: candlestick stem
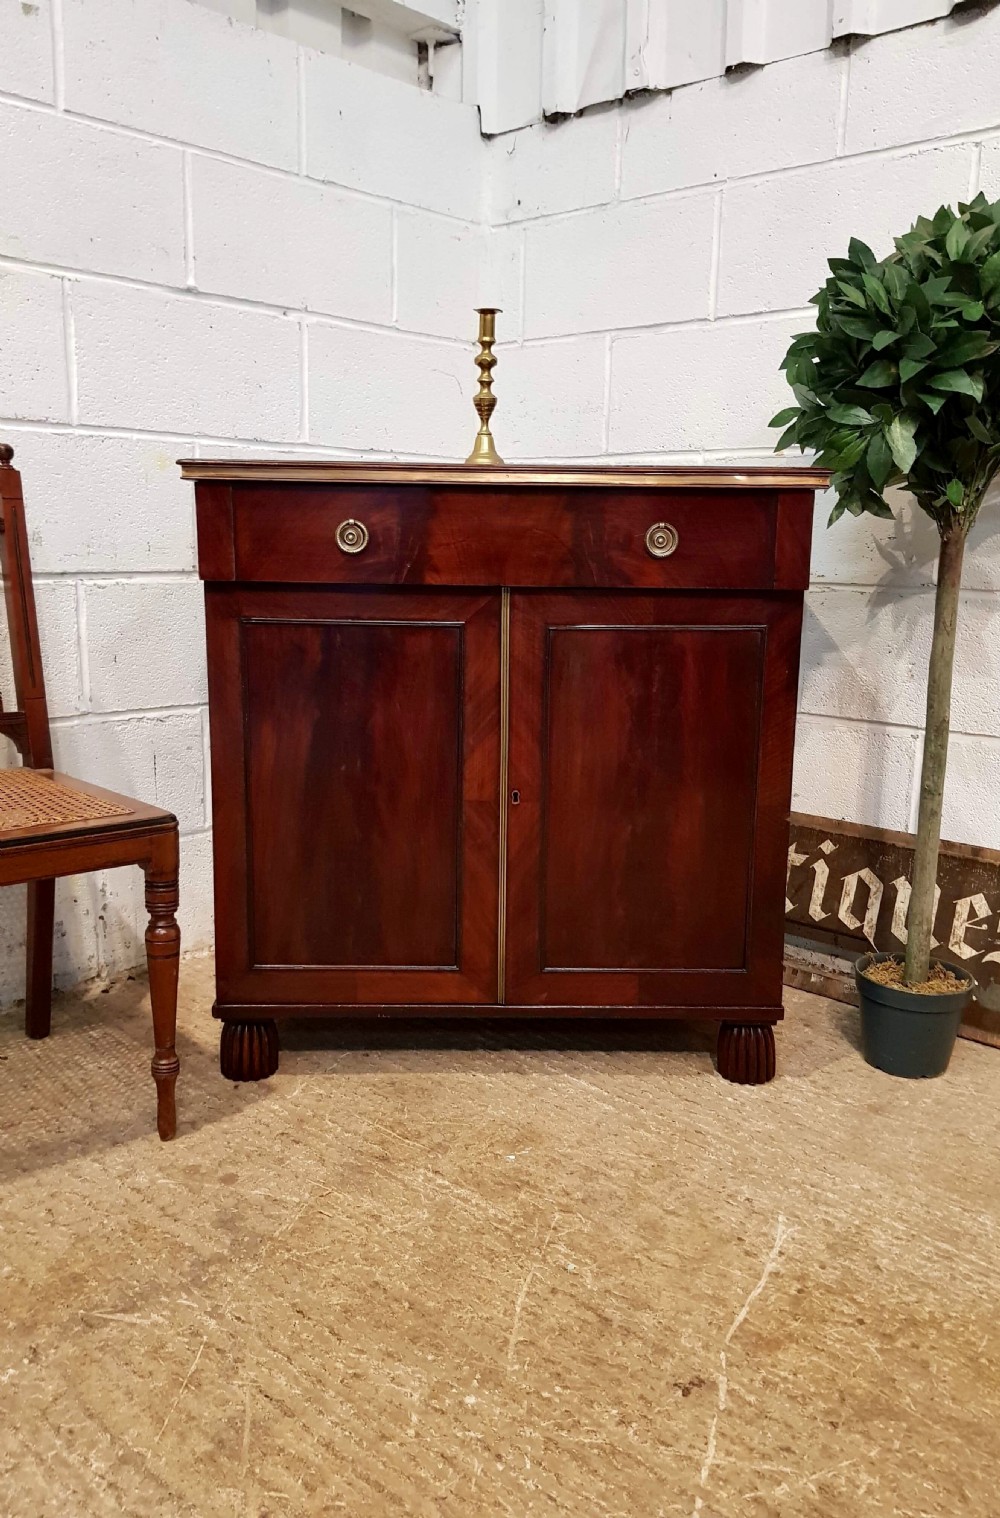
x=484, y=449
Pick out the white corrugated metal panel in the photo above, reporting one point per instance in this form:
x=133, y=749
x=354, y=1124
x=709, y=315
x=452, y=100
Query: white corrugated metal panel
x=645, y=43
x=555, y=57
x=670, y=42
x=502, y=45
x=439, y=18
x=762, y=31
x=583, y=53
x=597, y=50
x=430, y=20
x=523, y=59
x=866, y=18
x=446, y=67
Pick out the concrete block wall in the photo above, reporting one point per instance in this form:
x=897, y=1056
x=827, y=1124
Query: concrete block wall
x=668, y=248
x=211, y=241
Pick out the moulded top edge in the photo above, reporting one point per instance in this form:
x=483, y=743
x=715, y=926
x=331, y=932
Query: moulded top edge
x=694, y=476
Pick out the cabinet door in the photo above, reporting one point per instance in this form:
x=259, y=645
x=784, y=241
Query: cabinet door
x=355, y=749
x=649, y=775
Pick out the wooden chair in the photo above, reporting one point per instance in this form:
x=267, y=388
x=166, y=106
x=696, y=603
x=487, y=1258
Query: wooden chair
x=52, y=825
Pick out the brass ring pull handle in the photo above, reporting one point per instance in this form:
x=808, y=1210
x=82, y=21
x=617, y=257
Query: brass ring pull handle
x=661, y=540
x=352, y=536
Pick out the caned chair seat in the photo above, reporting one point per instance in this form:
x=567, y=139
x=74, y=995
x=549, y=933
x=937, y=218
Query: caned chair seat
x=37, y=799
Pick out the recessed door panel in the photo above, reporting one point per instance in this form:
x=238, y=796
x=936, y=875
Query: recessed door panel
x=650, y=765
x=637, y=735
x=354, y=758
x=360, y=859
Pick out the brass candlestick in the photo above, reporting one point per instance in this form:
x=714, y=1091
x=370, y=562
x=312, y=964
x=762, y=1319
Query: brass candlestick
x=484, y=449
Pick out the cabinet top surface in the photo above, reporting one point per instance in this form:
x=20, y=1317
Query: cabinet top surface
x=635, y=476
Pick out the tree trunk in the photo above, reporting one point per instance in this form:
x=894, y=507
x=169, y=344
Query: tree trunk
x=939, y=673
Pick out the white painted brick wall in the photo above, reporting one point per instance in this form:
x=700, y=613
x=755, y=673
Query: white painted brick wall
x=290, y=242
x=734, y=126
x=179, y=71
x=184, y=365
x=714, y=386
x=545, y=169
x=864, y=652
x=989, y=168
x=502, y=277
x=107, y=504
x=383, y=391
x=33, y=380
x=380, y=135
x=145, y=643
x=982, y=554
x=214, y=241
x=26, y=48
x=616, y=267
x=553, y=399
x=427, y=245
x=58, y=611
x=857, y=770
x=873, y=550
x=82, y=195
x=973, y=779
x=159, y=756
x=930, y=82
x=778, y=234
x=75, y=955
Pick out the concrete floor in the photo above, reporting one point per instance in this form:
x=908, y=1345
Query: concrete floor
x=523, y=1277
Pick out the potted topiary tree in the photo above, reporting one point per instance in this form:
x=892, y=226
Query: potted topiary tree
x=900, y=385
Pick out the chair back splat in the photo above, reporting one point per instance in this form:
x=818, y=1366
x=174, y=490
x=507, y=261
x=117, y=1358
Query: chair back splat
x=27, y=726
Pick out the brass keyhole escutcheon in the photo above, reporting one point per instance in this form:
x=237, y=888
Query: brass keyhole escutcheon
x=661, y=540
x=352, y=536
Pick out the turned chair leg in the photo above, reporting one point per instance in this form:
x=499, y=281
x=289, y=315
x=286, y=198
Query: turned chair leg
x=163, y=947
x=38, y=982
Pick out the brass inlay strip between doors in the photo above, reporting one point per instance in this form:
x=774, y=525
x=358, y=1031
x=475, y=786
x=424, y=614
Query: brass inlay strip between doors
x=504, y=797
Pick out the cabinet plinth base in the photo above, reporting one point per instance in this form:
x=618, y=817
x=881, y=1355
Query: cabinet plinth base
x=248, y=1051
x=249, y=1045
x=746, y=1053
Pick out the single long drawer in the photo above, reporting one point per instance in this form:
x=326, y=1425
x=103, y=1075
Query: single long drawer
x=444, y=535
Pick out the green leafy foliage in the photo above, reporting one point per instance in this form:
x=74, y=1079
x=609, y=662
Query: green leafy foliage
x=900, y=382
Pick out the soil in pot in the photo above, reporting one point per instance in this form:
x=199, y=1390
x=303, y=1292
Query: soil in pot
x=940, y=982
x=910, y=1030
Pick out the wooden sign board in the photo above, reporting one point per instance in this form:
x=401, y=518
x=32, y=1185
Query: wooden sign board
x=848, y=887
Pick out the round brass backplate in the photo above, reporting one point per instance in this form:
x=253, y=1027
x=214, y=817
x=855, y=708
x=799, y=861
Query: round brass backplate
x=352, y=536
x=661, y=540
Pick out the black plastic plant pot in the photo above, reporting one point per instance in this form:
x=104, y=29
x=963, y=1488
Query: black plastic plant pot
x=903, y=1032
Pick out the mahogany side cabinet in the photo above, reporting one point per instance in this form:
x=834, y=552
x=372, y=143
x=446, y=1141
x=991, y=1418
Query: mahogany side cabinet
x=501, y=741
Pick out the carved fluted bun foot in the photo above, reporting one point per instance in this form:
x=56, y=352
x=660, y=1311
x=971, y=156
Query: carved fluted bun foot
x=746, y=1053
x=248, y=1051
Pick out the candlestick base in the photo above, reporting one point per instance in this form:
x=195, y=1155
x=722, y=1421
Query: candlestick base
x=484, y=451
